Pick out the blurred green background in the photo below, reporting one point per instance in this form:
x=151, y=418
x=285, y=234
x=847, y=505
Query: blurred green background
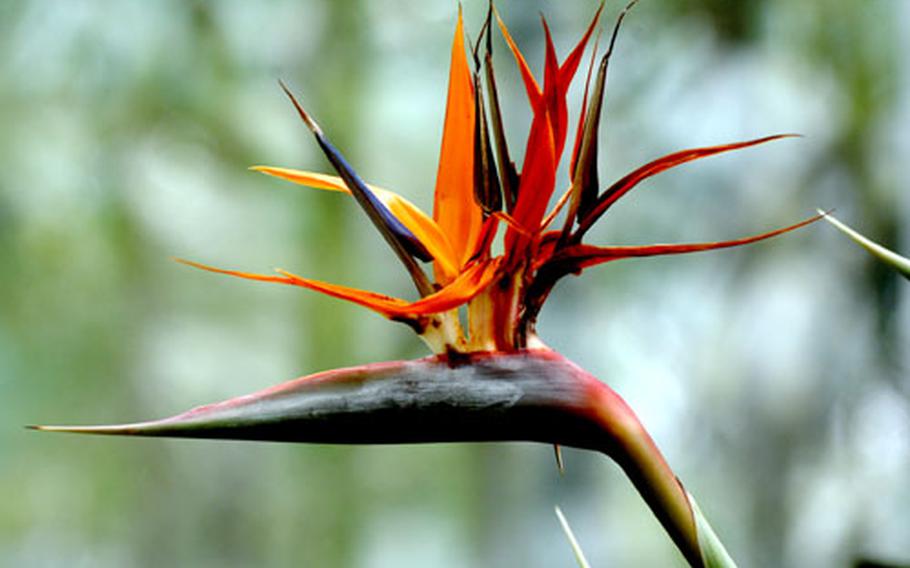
x=776, y=378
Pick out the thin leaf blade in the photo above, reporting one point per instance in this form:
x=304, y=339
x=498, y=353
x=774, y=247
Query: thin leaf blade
x=885, y=255
x=713, y=552
x=573, y=542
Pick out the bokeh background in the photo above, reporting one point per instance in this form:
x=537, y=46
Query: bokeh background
x=776, y=378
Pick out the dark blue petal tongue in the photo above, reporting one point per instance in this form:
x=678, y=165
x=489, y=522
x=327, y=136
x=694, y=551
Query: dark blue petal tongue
x=405, y=244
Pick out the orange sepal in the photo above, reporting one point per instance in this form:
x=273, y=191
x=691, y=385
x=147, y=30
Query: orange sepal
x=423, y=227
x=470, y=283
x=474, y=280
x=454, y=208
x=385, y=305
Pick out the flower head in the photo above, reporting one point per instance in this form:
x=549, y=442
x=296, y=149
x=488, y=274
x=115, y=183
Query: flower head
x=493, y=380
x=480, y=191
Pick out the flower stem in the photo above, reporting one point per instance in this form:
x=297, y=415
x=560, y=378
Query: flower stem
x=533, y=395
x=629, y=444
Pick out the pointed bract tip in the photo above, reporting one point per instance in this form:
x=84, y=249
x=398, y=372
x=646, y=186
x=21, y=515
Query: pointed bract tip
x=617, y=26
x=111, y=430
x=186, y=262
x=888, y=256
x=307, y=119
x=573, y=541
x=560, y=464
x=546, y=28
x=626, y=9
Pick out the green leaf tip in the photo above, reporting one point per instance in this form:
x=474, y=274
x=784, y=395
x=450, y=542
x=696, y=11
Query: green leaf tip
x=889, y=257
x=713, y=553
x=573, y=542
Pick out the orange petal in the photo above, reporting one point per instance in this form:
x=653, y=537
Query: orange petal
x=621, y=187
x=423, y=227
x=454, y=209
x=428, y=231
x=580, y=256
x=385, y=305
x=309, y=179
x=474, y=280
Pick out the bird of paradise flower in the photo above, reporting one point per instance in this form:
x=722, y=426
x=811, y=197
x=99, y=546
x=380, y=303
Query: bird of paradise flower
x=495, y=379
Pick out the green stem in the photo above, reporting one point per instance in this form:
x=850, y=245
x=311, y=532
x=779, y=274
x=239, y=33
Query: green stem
x=630, y=445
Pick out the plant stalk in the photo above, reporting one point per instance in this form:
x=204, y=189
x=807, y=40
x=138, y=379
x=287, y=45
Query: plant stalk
x=534, y=395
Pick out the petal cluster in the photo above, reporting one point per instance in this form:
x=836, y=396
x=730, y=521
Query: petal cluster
x=478, y=190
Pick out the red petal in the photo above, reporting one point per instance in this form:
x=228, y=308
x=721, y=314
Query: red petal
x=531, y=86
x=554, y=95
x=538, y=176
x=570, y=65
x=487, y=233
x=546, y=138
x=577, y=257
x=624, y=185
